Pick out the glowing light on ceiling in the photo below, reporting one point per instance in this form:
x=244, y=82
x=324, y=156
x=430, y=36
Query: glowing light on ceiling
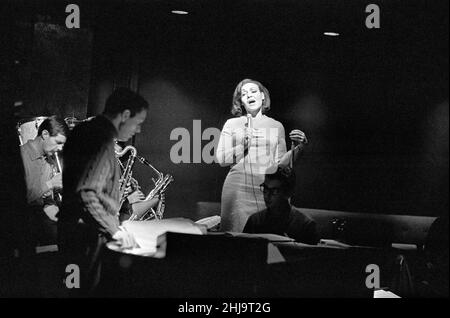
x=179, y=12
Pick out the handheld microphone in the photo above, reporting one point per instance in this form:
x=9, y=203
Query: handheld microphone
x=249, y=123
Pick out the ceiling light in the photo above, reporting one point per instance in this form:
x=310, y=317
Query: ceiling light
x=331, y=33
x=179, y=12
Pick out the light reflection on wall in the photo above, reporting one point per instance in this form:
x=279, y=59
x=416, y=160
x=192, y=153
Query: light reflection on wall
x=167, y=101
x=437, y=130
x=310, y=110
x=434, y=172
x=172, y=105
x=308, y=114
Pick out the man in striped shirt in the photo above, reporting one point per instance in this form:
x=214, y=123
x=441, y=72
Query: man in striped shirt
x=90, y=209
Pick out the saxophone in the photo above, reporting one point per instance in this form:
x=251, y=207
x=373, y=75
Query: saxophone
x=126, y=177
x=161, y=184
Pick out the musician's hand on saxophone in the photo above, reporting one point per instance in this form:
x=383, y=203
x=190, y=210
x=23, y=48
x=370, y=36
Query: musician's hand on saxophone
x=135, y=197
x=128, y=190
x=153, y=204
x=139, y=208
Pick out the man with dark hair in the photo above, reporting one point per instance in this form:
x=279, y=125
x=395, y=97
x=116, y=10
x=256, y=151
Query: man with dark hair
x=280, y=217
x=115, y=104
x=89, y=216
x=43, y=178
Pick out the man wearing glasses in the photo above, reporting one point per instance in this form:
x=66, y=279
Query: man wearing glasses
x=280, y=217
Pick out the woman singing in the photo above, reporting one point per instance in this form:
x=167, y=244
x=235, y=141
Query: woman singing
x=253, y=144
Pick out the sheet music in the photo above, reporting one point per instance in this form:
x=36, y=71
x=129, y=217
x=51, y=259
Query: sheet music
x=148, y=233
x=210, y=221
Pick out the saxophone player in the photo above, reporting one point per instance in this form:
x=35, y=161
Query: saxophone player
x=43, y=178
x=91, y=202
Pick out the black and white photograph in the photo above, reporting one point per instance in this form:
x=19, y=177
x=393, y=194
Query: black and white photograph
x=224, y=154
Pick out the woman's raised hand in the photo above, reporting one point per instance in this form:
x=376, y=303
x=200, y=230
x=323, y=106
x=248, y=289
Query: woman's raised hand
x=298, y=137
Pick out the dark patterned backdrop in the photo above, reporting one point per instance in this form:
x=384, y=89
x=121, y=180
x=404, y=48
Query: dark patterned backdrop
x=59, y=71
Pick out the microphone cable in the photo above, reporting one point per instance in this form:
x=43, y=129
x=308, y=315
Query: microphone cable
x=248, y=125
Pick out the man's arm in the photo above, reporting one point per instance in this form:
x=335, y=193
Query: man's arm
x=101, y=206
x=95, y=205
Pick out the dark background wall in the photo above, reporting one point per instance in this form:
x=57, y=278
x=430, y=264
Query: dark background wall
x=52, y=62
x=373, y=102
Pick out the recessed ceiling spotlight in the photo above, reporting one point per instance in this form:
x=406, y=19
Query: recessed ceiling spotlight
x=331, y=33
x=179, y=12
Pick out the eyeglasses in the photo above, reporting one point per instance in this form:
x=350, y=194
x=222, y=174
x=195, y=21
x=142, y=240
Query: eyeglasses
x=267, y=190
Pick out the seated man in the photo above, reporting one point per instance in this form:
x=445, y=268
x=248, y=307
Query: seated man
x=43, y=178
x=280, y=217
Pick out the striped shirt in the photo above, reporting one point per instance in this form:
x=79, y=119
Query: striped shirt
x=91, y=177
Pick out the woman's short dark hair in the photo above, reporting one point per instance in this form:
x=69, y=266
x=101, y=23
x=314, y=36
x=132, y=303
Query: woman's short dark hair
x=236, y=108
x=123, y=98
x=54, y=125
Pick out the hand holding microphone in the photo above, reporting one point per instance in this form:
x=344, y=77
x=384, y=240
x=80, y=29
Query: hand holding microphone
x=136, y=196
x=248, y=133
